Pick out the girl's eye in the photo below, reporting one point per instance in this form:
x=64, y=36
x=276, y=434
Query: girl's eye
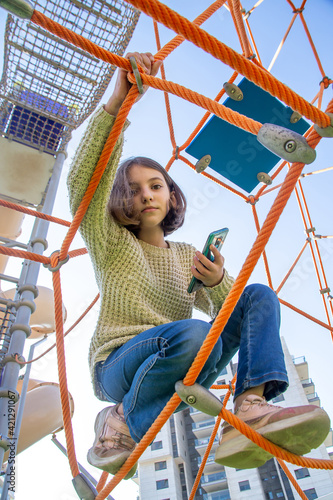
x=156, y=186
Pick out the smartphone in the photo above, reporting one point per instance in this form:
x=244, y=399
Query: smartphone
x=215, y=238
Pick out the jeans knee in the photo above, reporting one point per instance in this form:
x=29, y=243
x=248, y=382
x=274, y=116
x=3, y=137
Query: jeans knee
x=198, y=331
x=260, y=292
x=264, y=303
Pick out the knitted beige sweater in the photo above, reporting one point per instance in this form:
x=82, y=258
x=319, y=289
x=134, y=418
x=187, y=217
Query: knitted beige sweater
x=141, y=286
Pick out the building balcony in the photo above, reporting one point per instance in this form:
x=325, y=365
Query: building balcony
x=203, y=429
x=313, y=399
x=203, y=423
x=308, y=386
x=223, y=495
x=214, y=482
x=302, y=368
x=198, y=416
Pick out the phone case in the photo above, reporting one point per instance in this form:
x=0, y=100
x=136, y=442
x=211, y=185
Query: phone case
x=215, y=238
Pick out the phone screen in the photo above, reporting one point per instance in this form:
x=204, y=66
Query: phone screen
x=215, y=238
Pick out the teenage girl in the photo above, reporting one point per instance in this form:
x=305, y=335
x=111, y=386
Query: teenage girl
x=145, y=339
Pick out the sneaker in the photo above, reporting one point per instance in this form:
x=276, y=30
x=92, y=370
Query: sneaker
x=298, y=430
x=113, y=443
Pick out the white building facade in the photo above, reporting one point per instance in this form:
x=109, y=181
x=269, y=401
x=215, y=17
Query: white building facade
x=168, y=468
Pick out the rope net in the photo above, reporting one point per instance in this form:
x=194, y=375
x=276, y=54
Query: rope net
x=248, y=64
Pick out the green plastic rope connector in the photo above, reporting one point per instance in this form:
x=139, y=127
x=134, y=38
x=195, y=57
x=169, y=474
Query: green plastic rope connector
x=20, y=8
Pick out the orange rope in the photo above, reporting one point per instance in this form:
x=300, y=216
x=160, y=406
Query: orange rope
x=34, y=213
x=253, y=41
x=205, y=457
x=312, y=44
x=271, y=64
x=219, y=50
x=264, y=255
x=66, y=412
x=212, y=106
x=235, y=9
x=172, y=45
x=206, y=115
x=166, y=95
x=292, y=480
x=140, y=448
x=22, y=254
x=306, y=315
x=78, y=40
x=212, y=438
x=177, y=40
x=102, y=480
x=292, y=267
x=205, y=174
x=315, y=252
x=65, y=334
x=101, y=166
x=273, y=449
x=246, y=271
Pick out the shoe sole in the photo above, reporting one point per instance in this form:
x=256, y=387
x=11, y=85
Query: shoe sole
x=298, y=435
x=108, y=464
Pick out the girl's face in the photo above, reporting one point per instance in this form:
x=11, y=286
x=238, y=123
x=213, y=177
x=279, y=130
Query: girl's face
x=151, y=195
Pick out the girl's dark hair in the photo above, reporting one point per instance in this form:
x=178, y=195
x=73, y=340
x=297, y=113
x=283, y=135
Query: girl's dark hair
x=120, y=204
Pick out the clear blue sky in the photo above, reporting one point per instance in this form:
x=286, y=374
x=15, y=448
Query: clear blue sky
x=43, y=471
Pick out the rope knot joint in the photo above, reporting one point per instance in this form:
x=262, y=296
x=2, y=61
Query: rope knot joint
x=59, y=264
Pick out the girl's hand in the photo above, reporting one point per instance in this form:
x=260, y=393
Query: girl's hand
x=210, y=273
x=122, y=87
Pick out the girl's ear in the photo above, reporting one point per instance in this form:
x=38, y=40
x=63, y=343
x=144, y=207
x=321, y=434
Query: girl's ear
x=173, y=200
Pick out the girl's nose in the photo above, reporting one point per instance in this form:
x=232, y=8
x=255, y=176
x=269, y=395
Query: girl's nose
x=147, y=195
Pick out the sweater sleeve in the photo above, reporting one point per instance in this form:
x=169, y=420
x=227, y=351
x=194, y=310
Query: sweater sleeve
x=210, y=300
x=97, y=227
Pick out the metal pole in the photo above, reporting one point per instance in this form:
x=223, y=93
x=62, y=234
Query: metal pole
x=20, y=329
x=19, y=415
x=81, y=468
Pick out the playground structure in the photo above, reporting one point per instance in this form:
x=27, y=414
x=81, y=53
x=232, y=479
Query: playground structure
x=42, y=117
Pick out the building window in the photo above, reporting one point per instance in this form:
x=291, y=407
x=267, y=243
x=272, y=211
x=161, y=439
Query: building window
x=300, y=473
x=278, y=398
x=244, y=485
x=162, y=484
x=156, y=445
x=160, y=465
x=279, y=494
x=269, y=495
x=221, y=381
x=311, y=494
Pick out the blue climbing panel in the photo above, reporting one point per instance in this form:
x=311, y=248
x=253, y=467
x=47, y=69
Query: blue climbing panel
x=236, y=154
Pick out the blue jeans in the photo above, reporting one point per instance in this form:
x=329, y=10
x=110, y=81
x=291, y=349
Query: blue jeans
x=142, y=373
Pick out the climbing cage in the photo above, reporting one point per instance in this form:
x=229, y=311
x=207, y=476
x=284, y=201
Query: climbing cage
x=287, y=126
x=48, y=86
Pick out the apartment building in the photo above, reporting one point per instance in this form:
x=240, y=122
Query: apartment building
x=168, y=468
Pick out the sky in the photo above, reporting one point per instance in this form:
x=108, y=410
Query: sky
x=42, y=470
